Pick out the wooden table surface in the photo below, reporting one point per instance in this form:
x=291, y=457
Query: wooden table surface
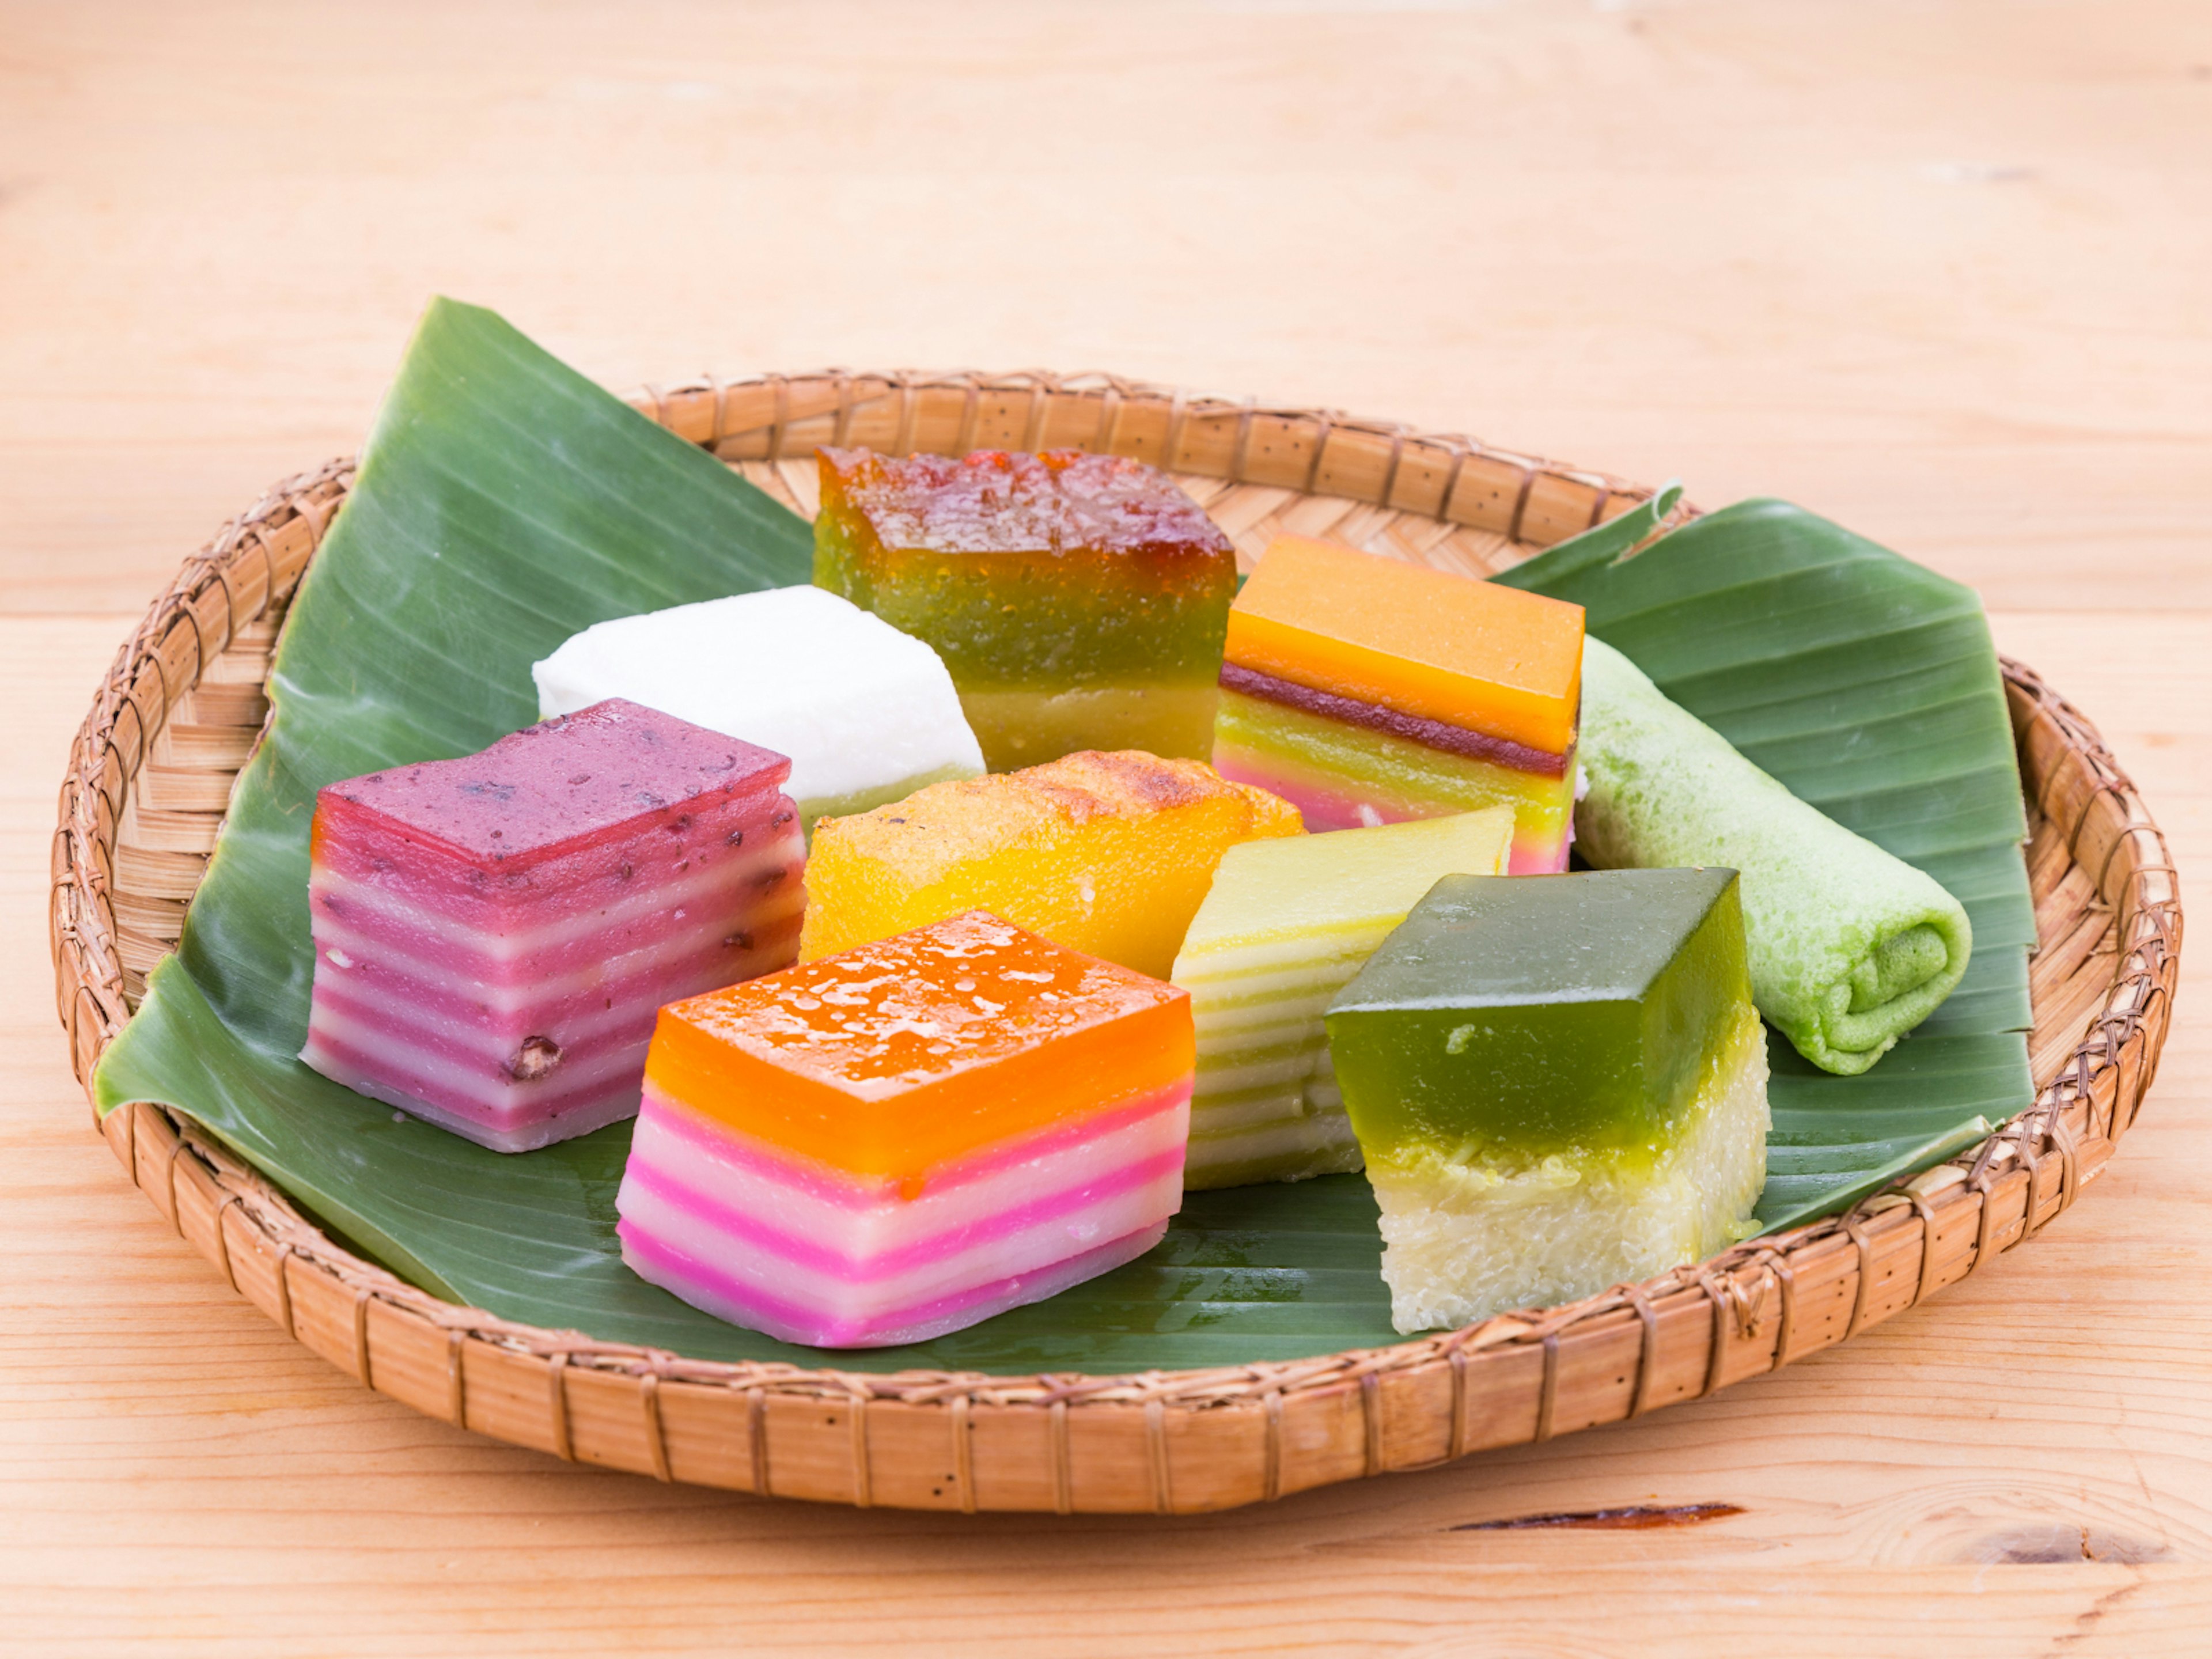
x=1938, y=269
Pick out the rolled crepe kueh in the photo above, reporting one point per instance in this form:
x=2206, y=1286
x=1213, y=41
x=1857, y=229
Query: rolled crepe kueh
x=1850, y=947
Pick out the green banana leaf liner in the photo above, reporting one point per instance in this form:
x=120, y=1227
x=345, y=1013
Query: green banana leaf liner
x=503, y=502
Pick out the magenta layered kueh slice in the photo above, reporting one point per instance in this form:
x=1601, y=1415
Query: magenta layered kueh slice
x=494, y=935
x=813, y=1253
x=901, y=1139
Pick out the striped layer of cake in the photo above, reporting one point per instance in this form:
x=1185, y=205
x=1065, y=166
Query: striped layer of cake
x=1265, y=1105
x=899, y=1139
x=1370, y=690
x=538, y=1034
x=1346, y=764
x=809, y=1252
x=1286, y=925
x=492, y=945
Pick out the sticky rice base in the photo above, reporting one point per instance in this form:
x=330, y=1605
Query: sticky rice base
x=1463, y=1241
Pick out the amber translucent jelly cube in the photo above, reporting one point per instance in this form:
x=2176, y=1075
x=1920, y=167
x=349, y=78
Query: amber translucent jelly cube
x=1081, y=601
x=1108, y=854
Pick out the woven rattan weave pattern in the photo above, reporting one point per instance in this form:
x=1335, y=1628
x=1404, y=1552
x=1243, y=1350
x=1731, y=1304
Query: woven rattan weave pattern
x=177, y=716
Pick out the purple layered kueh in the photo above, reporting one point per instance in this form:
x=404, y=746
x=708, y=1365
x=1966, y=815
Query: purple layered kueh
x=495, y=935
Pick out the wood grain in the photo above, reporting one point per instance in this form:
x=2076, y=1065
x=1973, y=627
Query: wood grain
x=1930, y=1488
x=1936, y=270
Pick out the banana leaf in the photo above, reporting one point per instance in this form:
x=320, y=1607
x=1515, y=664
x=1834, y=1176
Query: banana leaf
x=1869, y=686
x=502, y=503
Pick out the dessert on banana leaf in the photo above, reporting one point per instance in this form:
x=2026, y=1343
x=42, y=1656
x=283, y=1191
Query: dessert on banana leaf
x=896, y=1142
x=1104, y=853
x=1558, y=1082
x=1367, y=690
x=1285, y=924
x=867, y=714
x=1850, y=947
x=1079, y=599
x=494, y=934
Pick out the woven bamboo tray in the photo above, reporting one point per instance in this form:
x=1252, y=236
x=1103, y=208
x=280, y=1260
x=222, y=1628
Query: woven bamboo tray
x=150, y=777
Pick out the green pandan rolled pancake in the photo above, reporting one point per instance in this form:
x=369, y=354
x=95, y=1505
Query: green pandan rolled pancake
x=1558, y=1083
x=1849, y=947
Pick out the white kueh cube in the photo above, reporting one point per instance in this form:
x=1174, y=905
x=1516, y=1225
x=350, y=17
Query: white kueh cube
x=867, y=714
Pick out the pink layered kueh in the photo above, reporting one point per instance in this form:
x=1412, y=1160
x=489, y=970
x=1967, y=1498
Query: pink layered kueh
x=722, y=1295
x=813, y=1254
x=495, y=935
x=399, y=1033
x=1327, y=808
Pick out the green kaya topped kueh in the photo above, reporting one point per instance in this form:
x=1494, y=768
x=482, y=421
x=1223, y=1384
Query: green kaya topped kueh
x=1559, y=1084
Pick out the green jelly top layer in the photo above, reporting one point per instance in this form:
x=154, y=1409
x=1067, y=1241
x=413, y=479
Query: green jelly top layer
x=1062, y=568
x=1527, y=1016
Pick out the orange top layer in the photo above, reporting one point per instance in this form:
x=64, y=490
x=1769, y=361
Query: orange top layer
x=1487, y=659
x=889, y=1059
x=1108, y=854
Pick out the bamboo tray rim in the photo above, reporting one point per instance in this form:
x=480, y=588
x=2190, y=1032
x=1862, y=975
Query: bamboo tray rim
x=1162, y=1440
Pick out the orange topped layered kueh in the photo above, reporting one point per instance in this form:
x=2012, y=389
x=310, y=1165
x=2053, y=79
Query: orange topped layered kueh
x=1364, y=690
x=1426, y=642
x=879, y=1062
x=898, y=1140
